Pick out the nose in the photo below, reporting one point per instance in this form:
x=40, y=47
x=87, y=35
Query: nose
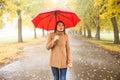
x=61, y=26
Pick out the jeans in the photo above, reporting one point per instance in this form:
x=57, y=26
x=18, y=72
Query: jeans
x=59, y=72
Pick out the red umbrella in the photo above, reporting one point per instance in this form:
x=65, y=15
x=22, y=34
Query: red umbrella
x=47, y=19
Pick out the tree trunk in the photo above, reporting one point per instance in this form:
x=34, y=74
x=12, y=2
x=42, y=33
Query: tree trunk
x=80, y=30
x=35, y=36
x=1, y=22
x=97, y=36
x=19, y=26
x=97, y=33
x=47, y=33
x=1, y=17
x=43, y=33
x=89, y=32
x=84, y=31
x=115, y=30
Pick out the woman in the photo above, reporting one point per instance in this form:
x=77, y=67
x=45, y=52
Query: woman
x=60, y=57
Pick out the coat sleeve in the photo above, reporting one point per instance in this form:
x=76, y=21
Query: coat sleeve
x=69, y=57
x=50, y=43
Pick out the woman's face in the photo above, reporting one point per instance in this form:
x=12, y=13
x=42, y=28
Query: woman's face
x=60, y=27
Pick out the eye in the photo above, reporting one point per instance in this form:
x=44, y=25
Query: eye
x=58, y=24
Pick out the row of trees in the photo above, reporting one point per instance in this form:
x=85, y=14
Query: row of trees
x=108, y=10
x=18, y=8
x=13, y=7
x=96, y=15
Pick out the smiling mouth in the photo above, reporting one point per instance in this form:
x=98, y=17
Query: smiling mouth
x=61, y=28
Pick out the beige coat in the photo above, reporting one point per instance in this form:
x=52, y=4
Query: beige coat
x=60, y=55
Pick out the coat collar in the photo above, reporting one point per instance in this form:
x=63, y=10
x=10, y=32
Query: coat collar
x=59, y=33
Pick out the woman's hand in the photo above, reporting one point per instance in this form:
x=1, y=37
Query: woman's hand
x=56, y=38
x=70, y=65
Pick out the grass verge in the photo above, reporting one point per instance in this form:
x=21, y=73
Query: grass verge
x=13, y=51
x=105, y=44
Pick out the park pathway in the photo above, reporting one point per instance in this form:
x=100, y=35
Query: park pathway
x=89, y=63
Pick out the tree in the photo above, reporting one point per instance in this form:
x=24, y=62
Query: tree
x=13, y=7
x=111, y=9
x=32, y=10
x=22, y=7
x=2, y=5
x=87, y=25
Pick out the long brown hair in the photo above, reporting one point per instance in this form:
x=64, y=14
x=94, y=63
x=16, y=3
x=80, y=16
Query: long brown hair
x=55, y=29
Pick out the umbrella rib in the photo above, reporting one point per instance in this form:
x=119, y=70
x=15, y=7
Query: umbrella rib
x=58, y=18
x=43, y=18
x=49, y=22
x=66, y=17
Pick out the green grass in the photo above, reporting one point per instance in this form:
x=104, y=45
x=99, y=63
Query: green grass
x=106, y=42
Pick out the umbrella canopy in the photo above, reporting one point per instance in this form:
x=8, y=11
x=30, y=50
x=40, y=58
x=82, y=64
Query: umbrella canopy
x=47, y=19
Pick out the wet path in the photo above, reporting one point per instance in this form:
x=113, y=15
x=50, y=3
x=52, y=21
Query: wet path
x=89, y=63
